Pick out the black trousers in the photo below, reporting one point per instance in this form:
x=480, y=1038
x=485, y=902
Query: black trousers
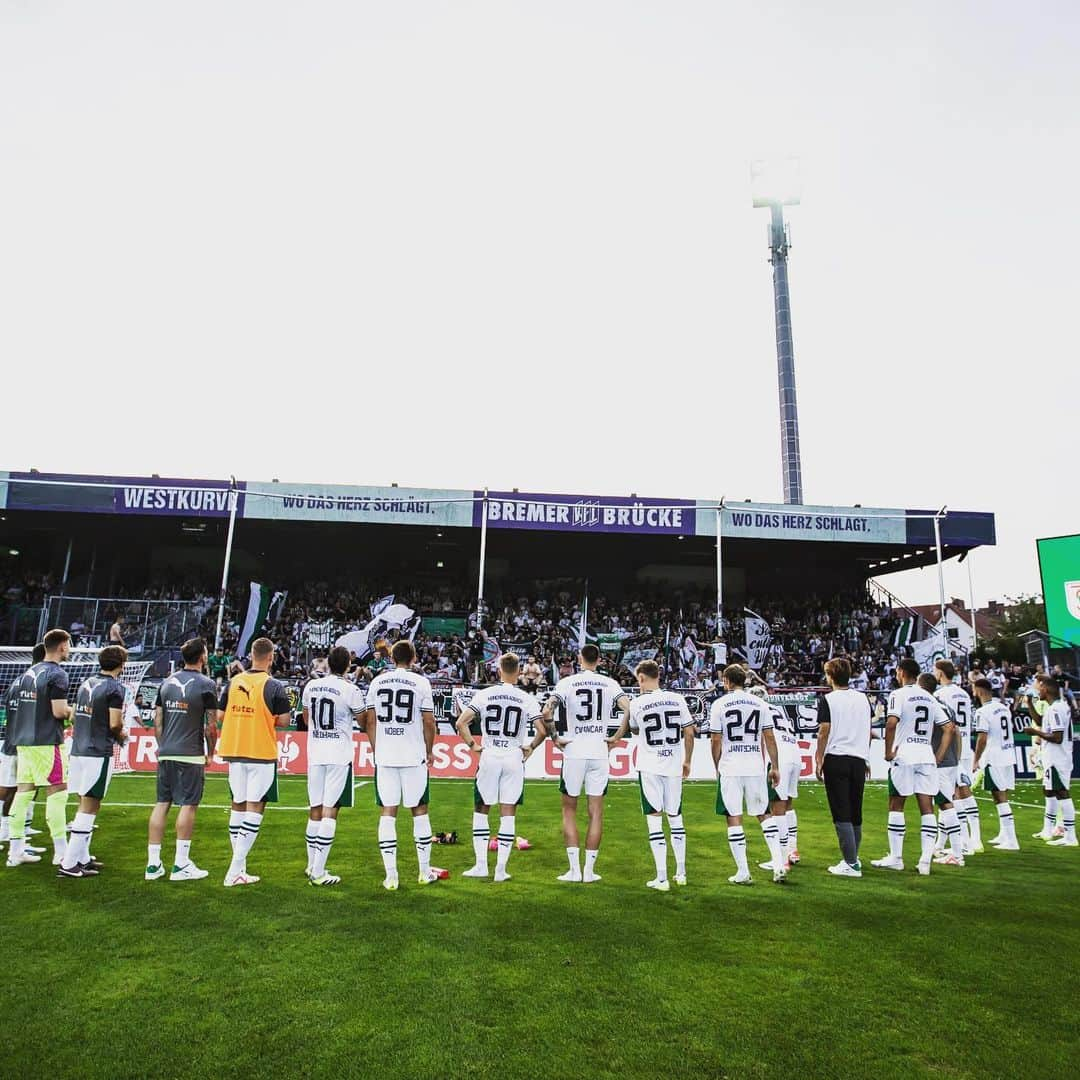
x=845, y=778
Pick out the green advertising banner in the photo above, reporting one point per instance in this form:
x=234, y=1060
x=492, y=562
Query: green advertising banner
x=439, y=626
x=1059, y=563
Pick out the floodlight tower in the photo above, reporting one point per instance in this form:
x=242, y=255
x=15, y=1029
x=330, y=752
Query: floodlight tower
x=776, y=185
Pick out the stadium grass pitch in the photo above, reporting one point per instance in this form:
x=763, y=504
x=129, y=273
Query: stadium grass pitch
x=966, y=973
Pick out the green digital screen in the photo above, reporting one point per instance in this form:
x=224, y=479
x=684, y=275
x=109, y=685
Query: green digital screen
x=1059, y=564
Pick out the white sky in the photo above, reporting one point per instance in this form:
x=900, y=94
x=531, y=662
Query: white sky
x=507, y=243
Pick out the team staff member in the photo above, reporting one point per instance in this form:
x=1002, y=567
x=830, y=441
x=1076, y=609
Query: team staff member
x=98, y=727
x=842, y=760
x=253, y=707
x=38, y=739
x=185, y=724
x=9, y=761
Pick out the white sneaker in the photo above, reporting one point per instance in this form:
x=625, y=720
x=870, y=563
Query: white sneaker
x=1042, y=835
x=190, y=872
x=1007, y=845
x=25, y=857
x=949, y=859
x=997, y=840
x=390, y=883
x=475, y=871
x=779, y=876
x=154, y=872
x=326, y=879
x=843, y=869
x=239, y=879
x=570, y=875
x=1062, y=841
x=939, y=853
x=888, y=863
x=31, y=831
x=766, y=865
x=680, y=879
x=658, y=885
x=501, y=875
x=923, y=868
x=427, y=879
x=589, y=878
x=741, y=879
x=57, y=858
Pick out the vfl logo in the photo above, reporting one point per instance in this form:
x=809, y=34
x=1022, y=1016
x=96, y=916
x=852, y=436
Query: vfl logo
x=586, y=514
x=1072, y=598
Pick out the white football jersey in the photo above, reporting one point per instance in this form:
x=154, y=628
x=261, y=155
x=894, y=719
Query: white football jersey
x=996, y=720
x=331, y=704
x=398, y=699
x=740, y=718
x=958, y=702
x=787, y=742
x=504, y=712
x=660, y=719
x=917, y=712
x=1058, y=755
x=589, y=699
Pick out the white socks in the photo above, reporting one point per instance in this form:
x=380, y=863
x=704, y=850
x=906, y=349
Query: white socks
x=771, y=831
x=421, y=829
x=153, y=854
x=590, y=864
x=785, y=835
x=1008, y=825
x=971, y=820
x=1068, y=813
x=950, y=823
x=507, y=832
x=323, y=842
x=573, y=855
x=658, y=844
x=78, y=847
x=793, y=830
x=311, y=840
x=481, y=834
x=737, y=842
x=388, y=844
x=928, y=834
x=249, y=833
x=897, y=829
x=183, y=853
x=236, y=823
x=1050, y=815
x=678, y=843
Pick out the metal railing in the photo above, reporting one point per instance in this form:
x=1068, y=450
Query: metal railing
x=144, y=624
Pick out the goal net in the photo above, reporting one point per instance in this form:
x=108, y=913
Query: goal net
x=14, y=660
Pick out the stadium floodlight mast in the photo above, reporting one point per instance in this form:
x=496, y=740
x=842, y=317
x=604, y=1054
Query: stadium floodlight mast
x=776, y=184
x=228, y=559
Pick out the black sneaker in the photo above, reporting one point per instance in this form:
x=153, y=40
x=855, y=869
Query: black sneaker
x=93, y=866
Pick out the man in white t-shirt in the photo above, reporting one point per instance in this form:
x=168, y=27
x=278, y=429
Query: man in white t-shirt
x=912, y=714
x=995, y=746
x=504, y=712
x=589, y=700
x=331, y=704
x=664, y=732
x=739, y=725
x=400, y=722
x=1056, y=735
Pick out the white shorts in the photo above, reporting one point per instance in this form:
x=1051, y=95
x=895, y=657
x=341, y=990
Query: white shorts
x=330, y=785
x=964, y=769
x=1055, y=777
x=90, y=776
x=500, y=780
x=946, y=782
x=906, y=780
x=999, y=778
x=660, y=794
x=253, y=781
x=9, y=768
x=733, y=791
x=590, y=773
x=787, y=787
x=401, y=785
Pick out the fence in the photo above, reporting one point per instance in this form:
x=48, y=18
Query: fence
x=145, y=625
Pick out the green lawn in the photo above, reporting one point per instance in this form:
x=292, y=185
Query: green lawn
x=893, y=975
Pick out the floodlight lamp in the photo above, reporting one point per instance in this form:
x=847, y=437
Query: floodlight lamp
x=776, y=181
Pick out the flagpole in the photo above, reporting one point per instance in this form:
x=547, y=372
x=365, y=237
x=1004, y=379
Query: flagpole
x=941, y=580
x=483, y=562
x=719, y=570
x=228, y=560
x=971, y=600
